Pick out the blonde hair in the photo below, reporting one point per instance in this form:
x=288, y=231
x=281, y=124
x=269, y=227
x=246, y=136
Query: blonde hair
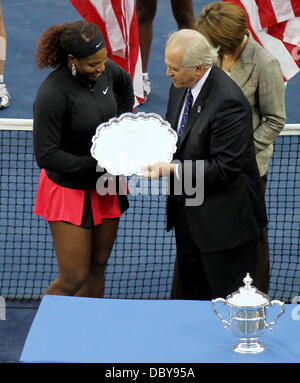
x=224, y=25
x=196, y=49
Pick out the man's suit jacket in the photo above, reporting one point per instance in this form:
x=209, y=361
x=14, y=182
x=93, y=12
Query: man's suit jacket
x=219, y=131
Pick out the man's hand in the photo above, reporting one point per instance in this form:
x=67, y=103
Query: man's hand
x=159, y=169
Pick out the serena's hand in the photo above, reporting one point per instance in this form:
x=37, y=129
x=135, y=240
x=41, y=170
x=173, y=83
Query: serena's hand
x=159, y=169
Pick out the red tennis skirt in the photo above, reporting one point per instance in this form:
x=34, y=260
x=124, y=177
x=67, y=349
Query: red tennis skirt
x=58, y=203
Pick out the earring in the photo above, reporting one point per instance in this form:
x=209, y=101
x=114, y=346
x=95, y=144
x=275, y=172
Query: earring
x=74, y=70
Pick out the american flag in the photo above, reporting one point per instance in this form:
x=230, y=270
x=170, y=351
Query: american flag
x=118, y=23
x=275, y=24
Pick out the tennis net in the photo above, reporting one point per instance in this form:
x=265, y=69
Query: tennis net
x=142, y=260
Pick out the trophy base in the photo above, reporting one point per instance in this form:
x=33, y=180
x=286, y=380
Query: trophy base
x=249, y=347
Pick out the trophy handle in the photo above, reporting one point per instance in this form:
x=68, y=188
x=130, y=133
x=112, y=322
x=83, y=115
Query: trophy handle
x=214, y=301
x=281, y=304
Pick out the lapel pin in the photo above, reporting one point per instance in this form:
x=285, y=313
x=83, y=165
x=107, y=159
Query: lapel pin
x=199, y=108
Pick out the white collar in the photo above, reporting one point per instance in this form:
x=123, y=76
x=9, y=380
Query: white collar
x=198, y=86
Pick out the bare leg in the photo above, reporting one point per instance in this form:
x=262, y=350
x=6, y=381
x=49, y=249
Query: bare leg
x=145, y=10
x=2, y=42
x=5, y=97
x=103, y=237
x=73, y=251
x=183, y=12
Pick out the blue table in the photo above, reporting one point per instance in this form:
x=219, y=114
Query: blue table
x=89, y=330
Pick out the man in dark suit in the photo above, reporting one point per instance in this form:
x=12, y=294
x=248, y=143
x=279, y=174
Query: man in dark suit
x=216, y=238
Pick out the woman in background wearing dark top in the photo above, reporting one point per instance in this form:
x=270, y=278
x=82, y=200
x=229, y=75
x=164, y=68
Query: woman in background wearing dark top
x=84, y=90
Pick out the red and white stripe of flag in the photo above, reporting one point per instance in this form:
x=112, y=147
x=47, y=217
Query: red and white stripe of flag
x=272, y=12
x=118, y=23
x=275, y=24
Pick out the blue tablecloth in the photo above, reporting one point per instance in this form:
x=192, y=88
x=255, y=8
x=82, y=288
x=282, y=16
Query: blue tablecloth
x=89, y=330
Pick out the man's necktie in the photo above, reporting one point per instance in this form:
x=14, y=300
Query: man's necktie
x=186, y=111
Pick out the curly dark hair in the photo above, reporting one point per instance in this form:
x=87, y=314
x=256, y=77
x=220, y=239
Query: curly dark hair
x=57, y=41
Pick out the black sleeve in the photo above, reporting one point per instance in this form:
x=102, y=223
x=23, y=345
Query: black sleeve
x=122, y=86
x=49, y=108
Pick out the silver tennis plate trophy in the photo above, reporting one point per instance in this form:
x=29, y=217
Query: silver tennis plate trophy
x=247, y=316
x=125, y=144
